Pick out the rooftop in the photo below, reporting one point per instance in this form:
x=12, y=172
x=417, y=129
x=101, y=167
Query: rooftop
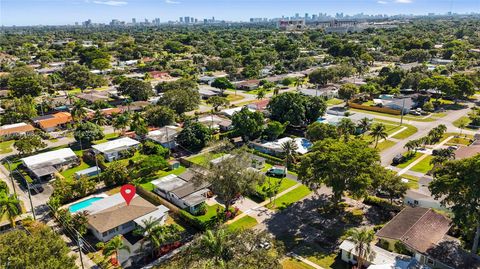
x=49, y=158
x=15, y=128
x=116, y=145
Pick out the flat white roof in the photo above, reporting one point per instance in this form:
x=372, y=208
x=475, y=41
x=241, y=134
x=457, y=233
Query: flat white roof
x=229, y=112
x=382, y=256
x=15, y=125
x=116, y=144
x=168, y=183
x=302, y=143
x=52, y=157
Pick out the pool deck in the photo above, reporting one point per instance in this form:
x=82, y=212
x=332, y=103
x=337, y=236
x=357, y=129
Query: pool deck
x=67, y=206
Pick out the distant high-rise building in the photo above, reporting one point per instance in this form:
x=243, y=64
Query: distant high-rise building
x=186, y=19
x=306, y=16
x=134, y=21
x=181, y=19
x=297, y=15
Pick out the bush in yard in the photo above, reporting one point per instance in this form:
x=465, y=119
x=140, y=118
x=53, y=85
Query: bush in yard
x=196, y=222
x=152, y=148
x=383, y=203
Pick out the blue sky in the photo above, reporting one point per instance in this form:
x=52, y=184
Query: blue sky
x=30, y=12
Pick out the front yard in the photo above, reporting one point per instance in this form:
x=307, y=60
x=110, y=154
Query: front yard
x=289, y=198
x=6, y=146
x=410, y=159
x=245, y=223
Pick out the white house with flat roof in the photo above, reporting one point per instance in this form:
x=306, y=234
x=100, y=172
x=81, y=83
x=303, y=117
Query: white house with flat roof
x=111, y=150
x=275, y=147
x=111, y=216
x=46, y=164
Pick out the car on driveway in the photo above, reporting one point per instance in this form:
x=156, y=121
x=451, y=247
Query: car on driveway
x=398, y=159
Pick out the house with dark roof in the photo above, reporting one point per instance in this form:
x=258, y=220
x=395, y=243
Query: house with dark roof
x=421, y=231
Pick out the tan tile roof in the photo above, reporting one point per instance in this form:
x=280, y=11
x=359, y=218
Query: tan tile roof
x=467, y=152
x=120, y=214
x=17, y=130
x=419, y=228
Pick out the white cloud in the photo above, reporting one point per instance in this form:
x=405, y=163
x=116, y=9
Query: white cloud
x=404, y=1
x=172, y=2
x=382, y=2
x=111, y=3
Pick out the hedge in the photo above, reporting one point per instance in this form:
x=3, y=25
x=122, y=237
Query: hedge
x=380, y=202
x=197, y=223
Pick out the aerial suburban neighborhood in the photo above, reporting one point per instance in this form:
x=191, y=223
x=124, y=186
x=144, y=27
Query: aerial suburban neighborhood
x=316, y=141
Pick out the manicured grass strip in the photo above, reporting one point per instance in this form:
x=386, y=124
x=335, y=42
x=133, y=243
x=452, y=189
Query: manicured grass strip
x=334, y=101
x=405, y=133
x=458, y=139
x=409, y=161
x=6, y=146
x=405, y=117
x=412, y=181
x=201, y=159
x=233, y=97
x=290, y=197
x=385, y=144
x=424, y=165
x=292, y=263
x=245, y=223
x=68, y=174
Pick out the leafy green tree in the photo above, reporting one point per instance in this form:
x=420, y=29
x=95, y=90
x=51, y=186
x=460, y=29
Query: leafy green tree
x=120, y=122
x=217, y=101
x=363, y=239
x=231, y=178
x=18, y=109
x=322, y=76
x=99, y=118
x=181, y=100
x=86, y=132
x=455, y=185
x=159, y=116
x=79, y=76
x=379, y=131
x=320, y=131
x=149, y=165
x=389, y=183
x=92, y=56
x=248, y=124
x=343, y=166
x=464, y=86
x=101, y=64
x=222, y=84
x=274, y=129
x=9, y=207
x=347, y=91
x=37, y=247
x=136, y=89
x=364, y=124
x=346, y=128
x=25, y=81
x=29, y=144
x=194, y=136
x=295, y=108
x=138, y=125
x=116, y=173
x=180, y=84
x=79, y=112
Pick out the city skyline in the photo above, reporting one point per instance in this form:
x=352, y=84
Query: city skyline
x=61, y=12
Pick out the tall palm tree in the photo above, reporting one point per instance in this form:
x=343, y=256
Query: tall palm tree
x=362, y=238
x=147, y=231
x=379, y=132
x=289, y=150
x=9, y=206
x=79, y=112
x=98, y=118
x=364, y=124
x=114, y=246
x=345, y=128
x=120, y=122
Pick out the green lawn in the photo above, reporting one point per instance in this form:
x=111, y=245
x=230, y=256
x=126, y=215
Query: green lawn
x=285, y=184
x=107, y=138
x=385, y=144
x=290, y=197
x=246, y=222
x=292, y=263
x=255, y=92
x=334, y=101
x=211, y=212
x=462, y=139
x=318, y=256
x=405, y=117
x=402, y=135
x=68, y=174
x=412, y=181
x=202, y=159
x=149, y=186
x=234, y=98
x=410, y=160
x=459, y=121
x=424, y=165
x=6, y=146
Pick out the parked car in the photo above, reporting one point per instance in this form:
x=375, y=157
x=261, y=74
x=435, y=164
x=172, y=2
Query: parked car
x=277, y=171
x=453, y=147
x=415, y=113
x=398, y=159
x=36, y=189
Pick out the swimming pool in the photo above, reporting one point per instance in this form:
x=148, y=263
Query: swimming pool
x=83, y=204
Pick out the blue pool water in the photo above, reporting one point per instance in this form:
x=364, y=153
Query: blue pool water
x=81, y=205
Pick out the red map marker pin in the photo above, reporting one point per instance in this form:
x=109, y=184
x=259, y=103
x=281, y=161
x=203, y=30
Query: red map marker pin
x=128, y=192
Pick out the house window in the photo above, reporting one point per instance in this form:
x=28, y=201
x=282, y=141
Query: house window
x=114, y=230
x=430, y=261
x=105, y=233
x=127, y=225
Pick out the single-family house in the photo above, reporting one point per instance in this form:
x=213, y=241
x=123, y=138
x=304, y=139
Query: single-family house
x=216, y=123
x=52, y=122
x=419, y=230
x=134, y=106
x=464, y=152
x=111, y=216
x=89, y=172
x=421, y=198
x=257, y=162
x=94, y=96
x=327, y=92
x=160, y=75
x=260, y=105
x=229, y=112
x=43, y=166
x=15, y=130
x=275, y=147
x=112, y=150
x=247, y=85
x=164, y=136
x=181, y=191
x=207, y=92
x=406, y=103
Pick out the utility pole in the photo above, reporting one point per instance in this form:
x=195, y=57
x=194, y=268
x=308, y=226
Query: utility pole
x=30, y=197
x=11, y=177
x=80, y=249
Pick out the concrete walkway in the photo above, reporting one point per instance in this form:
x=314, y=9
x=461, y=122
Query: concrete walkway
x=404, y=170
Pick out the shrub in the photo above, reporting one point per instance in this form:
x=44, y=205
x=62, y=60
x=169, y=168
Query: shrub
x=383, y=203
x=196, y=222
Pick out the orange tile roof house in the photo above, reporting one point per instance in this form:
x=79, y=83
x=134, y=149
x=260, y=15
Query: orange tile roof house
x=53, y=122
x=12, y=130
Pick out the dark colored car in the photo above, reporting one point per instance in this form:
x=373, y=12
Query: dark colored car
x=36, y=189
x=398, y=159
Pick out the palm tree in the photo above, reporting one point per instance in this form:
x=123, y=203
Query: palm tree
x=147, y=231
x=9, y=206
x=462, y=125
x=289, y=148
x=346, y=127
x=98, y=118
x=362, y=238
x=364, y=124
x=442, y=156
x=412, y=145
x=79, y=112
x=114, y=246
x=261, y=94
x=120, y=122
x=379, y=131
x=213, y=244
